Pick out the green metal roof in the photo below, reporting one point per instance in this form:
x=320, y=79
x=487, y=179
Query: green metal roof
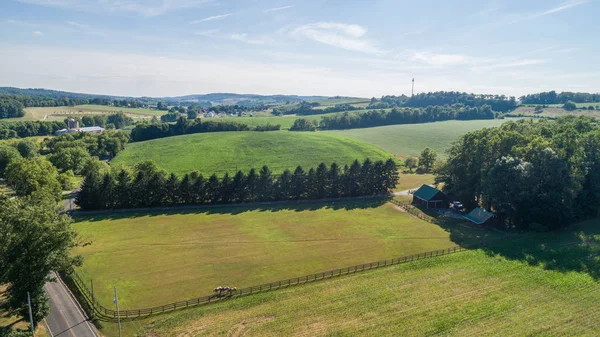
x=426, y=192
x=479, y=216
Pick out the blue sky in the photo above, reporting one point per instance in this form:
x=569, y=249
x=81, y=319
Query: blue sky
x=354, y=48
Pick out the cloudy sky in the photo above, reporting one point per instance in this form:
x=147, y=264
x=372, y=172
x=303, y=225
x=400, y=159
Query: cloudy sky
x=330, y=47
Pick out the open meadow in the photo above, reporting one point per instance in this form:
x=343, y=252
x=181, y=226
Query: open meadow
x=537, y=285
x=157, y=258
x=59, y=113
x=410, y=139
x=556, y=112
x=222, y=152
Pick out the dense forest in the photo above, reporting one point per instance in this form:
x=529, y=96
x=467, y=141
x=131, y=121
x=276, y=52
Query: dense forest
x=499, y=103
x=539, y=175
x=405, y=116
x=147, y=186
x=551, y=97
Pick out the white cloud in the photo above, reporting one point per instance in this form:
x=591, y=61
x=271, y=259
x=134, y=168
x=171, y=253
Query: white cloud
x=563, y=6
x=345, y=36
x=212, y=18
x=243, y=37
x=37, y=33
x=510, y=64
x=278, y=9
x=240, y=37
x=440, y=60
x=143, y=7
x=77, y=24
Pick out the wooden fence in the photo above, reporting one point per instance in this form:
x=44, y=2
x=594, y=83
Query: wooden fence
x=99, y=311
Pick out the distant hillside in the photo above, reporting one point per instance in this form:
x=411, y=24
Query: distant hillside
x=215, y=98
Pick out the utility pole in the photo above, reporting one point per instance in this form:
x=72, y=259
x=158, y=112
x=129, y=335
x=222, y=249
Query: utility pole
x=30, y=314
x=413, y=87
x=116, y=300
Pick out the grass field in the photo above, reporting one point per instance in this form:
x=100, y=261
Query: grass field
x=411, y=180
x=410, y=139
x=556, y=112
x=159, y=258
x=286, y=121
x=61, y=112
x=579, y=105
x=345, y=100
x=222, y=152
x=538, y=285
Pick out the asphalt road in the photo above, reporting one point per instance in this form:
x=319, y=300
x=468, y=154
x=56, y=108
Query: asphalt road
x=66, y=318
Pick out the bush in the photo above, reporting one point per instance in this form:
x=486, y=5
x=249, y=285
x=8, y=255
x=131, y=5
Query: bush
x=570, y=106
x=66, y=180
x=303, y=124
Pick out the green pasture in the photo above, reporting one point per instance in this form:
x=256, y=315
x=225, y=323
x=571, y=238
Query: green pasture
x=410, y=139
x=222, y=152
x=557, y=112
x=527, y=285
x=286, y=121
x=579, y=105
x=156, y=258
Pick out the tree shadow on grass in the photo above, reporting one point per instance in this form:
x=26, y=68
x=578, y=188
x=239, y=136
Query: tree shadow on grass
x=297, y=206
x=572, y=249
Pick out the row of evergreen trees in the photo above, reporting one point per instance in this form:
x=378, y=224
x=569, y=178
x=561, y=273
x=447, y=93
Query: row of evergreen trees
x=147, y=186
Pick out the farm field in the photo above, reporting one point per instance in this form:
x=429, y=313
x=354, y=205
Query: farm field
x=556, y=112
x=222, y=152
x=579, y=105
x=286, y=121
x=61, y=112
x=410, y=139
x=411, y=180
x=541, y=285
x=159, y=258
x=343, y=100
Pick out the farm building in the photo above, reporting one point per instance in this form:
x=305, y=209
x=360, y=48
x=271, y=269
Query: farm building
x=480, y=216
x=430, y=197
x=92, y=129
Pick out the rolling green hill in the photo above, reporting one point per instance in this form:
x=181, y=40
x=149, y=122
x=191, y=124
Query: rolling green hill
x=410, y=139
x=222, y=152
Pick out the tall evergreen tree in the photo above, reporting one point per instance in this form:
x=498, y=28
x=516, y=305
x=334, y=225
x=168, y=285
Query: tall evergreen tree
x=172, y=185
x=123, y=189
x=225, y=188
x=265, y=184
x=298, y=183
x=238, y=186
x=213, y=190
x=335, y=180
x=322, y=181
x=284, y=186
x=251, y=185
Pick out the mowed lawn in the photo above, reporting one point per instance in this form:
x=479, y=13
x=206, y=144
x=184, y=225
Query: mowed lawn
x=222, y=152
x=410, y=139
x=159, y=258
x=545, y=285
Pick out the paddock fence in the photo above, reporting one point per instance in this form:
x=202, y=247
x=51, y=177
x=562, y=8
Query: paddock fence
x=98, y=311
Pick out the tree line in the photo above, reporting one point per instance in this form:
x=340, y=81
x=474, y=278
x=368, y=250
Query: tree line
x=152, y=130
x=499, y=103
x=538, y=175
x=405, y=116
x=147, y=186
x=22, y=129
x=118, y=120
x=13, y=105
x=551, y=97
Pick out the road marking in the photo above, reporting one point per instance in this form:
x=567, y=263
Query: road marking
x=66, y=290
x=48, y=328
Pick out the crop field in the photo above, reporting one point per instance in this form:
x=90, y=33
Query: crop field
x=222, y=152
x=61, y=112
x=412, y=180
x=159, y=258
x=556, y=112
x=410, y=139
x=542, y=285
x=344, y=100
x=286, y=121
x=579, y=105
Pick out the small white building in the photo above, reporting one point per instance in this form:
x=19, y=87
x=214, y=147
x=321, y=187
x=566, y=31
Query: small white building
x=92, y=129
